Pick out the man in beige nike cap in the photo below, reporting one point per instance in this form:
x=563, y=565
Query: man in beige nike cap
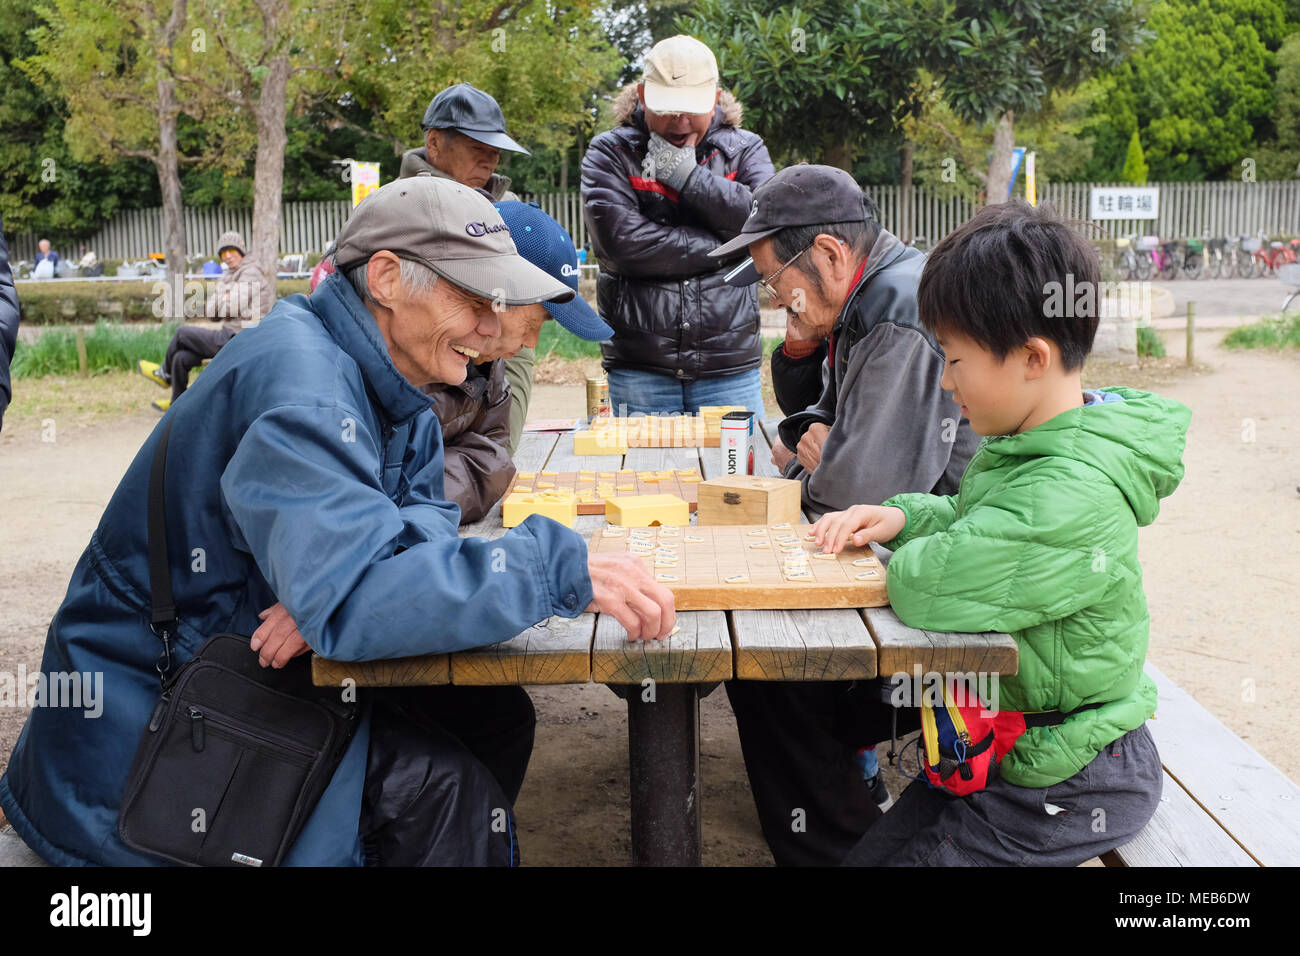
x=676, y=173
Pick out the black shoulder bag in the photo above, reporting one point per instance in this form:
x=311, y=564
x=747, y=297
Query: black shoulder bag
x=235, y=756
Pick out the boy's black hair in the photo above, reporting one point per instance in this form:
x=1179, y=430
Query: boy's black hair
x=1011, y=273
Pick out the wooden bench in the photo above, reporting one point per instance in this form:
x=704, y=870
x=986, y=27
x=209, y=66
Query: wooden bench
x=1223, y=804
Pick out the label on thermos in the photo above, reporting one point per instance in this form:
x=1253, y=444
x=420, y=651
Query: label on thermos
x=737, y=446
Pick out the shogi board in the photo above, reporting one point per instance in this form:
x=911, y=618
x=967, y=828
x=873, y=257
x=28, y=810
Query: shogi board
x=570, y=481
x=696, y=563
x=662, y=431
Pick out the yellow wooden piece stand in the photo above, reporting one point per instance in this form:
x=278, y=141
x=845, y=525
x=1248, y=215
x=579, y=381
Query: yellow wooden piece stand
x=642, y=511
x=556, y=505
x=605, y=441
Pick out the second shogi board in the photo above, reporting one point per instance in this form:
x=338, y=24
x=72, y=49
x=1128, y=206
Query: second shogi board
x=593, y=487
x=729, y=567
x=663, y=431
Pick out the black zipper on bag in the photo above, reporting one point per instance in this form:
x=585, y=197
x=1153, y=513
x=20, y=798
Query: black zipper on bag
x=199, y=717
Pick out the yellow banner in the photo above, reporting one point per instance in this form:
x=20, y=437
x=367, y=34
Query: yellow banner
x=365, y=180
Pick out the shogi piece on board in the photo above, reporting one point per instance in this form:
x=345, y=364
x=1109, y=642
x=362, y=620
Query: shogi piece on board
x=643, y=511
x=594, y=488
x=748, y=499
x=731, y=567
x=603, y=441
x=558, y=505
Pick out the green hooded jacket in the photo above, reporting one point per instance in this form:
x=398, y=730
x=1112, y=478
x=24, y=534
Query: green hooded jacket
x=1041, y=541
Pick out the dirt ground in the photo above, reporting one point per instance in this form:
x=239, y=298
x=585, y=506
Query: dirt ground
x=1222, y=565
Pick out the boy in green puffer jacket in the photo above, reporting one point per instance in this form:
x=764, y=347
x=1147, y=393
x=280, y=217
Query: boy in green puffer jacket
x=1040, y=541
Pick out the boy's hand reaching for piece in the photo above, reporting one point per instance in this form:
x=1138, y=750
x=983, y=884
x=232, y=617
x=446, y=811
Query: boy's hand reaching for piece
x=860, y=524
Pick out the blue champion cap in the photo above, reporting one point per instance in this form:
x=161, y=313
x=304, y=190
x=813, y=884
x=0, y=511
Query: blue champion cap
x=545, y=243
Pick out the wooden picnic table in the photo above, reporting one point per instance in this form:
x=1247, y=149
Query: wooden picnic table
x=661, y=682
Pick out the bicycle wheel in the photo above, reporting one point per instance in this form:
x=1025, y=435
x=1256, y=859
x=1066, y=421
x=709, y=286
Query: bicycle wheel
x=1245, y=265
x=1142, y=268
x=1214, y=267
x=1170, y=269
x=1123, y=270
x=1192, y=267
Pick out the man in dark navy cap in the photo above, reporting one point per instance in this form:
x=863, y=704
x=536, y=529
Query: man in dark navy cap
x=883, y=425
x=464, y=133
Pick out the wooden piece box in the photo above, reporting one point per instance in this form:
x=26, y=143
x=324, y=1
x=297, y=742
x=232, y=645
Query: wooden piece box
x=748, y=499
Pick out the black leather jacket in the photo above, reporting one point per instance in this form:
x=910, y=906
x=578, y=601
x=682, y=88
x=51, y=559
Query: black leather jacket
x=658, y=288
x=8, y=324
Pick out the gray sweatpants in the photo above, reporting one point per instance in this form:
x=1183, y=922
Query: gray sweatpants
x=1101, y=807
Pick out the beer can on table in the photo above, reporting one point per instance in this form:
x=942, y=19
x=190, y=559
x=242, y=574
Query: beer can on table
x=598, y=398
x=737, y=444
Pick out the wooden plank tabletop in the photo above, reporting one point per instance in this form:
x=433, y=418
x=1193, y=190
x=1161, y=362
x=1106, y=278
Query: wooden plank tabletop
x=699, y=653
x=841, y=644
x=796, y=645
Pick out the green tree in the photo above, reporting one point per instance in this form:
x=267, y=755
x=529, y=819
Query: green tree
x=258, y=57
x=1200, y=93
x=1279, y=158
x=46, y=190
x=1004, y=61
x=1135, y=167
x=112, y=63
x=820, y=80
x=546, y=65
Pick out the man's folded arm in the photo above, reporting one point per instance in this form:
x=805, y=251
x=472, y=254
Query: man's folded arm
x=633, y=244
x=365, y=578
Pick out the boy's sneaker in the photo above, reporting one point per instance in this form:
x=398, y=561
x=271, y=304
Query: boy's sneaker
x=880, y=793
x=163, y=404
x=153, y=372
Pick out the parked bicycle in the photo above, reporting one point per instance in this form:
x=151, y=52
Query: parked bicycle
x=1220, y=258
x=1148, y=248
x=1126, y=258
x=1290, y=276
x=1248, y=257
x=1192, y=254
x=1273, y=256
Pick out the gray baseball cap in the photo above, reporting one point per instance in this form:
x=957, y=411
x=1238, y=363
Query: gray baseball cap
x=452, y=229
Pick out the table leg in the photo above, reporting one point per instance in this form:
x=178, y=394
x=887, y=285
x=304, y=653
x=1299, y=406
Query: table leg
x=664, y=756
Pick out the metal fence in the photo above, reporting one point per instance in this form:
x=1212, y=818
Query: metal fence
x=1186, y=210
x=134, y=233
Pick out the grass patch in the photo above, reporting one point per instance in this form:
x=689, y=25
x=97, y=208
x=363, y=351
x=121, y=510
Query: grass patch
x=109, y=347
x=74, y=402
x=1149, y=344
x=1268, y=333
x=555, y=341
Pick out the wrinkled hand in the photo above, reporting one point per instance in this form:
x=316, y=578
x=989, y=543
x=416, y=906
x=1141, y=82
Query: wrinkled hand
x=276, y=639
x=623, y=588
x=781, y=456
x=810, y=446
x=671, y=164
x=860, y=524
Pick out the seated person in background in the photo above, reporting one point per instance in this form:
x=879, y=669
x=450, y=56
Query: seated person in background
x=242, y=296
x=47, y=264
x=1041, y=543
x=475, y=414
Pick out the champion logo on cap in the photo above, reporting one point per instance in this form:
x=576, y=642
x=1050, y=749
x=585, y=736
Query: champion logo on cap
x=482, y=228
x=568, y=270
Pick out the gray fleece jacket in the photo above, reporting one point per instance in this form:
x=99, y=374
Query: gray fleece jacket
x=893, y=429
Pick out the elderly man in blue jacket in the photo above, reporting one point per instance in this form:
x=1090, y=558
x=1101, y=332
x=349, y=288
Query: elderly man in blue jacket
x=306, y=468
